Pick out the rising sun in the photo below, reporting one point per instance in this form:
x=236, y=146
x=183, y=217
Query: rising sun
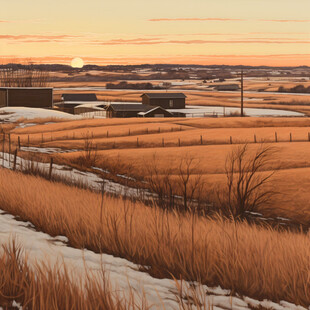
x=77, y=63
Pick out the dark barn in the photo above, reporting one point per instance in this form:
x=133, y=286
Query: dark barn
x=135, y=110
x=155, y=112
x=165, y=100
x=31, y=97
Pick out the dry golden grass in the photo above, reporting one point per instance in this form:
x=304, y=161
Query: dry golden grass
x=42, y=287
x=96, y=132
x=291, y=158
x=120, y=139
x=254, y=261
x=125, y=132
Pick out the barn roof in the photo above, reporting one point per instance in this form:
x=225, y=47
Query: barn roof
x=124, y=107
x=79, y=97
x=165, y=95
x=154, y=109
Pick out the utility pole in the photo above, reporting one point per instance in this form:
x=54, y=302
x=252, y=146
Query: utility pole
x=242, y=93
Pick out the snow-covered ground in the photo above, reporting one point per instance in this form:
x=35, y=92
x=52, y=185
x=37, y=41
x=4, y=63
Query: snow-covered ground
x=92, y=180
x=12, y=114
x=122, y=274
x=46, y=150
x=199, y=111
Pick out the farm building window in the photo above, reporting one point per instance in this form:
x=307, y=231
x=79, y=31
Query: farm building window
x=171, y=103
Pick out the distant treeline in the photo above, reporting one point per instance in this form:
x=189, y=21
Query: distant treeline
x=125, y=85
x=295, y=89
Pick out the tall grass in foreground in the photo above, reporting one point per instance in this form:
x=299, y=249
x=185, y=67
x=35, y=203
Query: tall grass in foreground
x=251, y=260
x=43, y=287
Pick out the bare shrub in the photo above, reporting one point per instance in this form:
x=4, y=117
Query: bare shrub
x=246, y=177
x=182, y=189
x=89, y=156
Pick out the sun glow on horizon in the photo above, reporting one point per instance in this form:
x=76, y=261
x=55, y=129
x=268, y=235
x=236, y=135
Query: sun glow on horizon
x=77, y=62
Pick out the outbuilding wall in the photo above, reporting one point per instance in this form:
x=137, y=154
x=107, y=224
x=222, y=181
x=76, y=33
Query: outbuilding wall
x=27, y=97
x=178, y=103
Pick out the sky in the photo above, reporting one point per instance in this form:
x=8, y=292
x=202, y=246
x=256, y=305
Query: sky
x=233, y=32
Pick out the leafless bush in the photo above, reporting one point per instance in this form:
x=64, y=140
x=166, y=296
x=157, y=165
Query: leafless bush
x=181, y=189
x=246, y=176
x=89, y=157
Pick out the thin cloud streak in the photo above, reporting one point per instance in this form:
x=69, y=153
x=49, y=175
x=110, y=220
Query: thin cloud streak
x=38, y=38
x=154, y=41
x=286, y=20
x=227, y=19
x=194, y=19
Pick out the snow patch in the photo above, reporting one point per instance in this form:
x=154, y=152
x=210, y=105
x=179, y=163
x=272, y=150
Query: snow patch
x=12, y=114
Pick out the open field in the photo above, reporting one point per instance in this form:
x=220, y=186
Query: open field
x=169, y=243
x=165, y=140
x=186, y=245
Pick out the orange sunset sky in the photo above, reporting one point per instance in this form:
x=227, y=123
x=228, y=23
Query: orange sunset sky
x=248, y=32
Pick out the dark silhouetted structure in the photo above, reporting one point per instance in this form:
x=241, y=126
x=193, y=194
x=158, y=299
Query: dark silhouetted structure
x=32, y=97
x=135, y=110
x=164, y=100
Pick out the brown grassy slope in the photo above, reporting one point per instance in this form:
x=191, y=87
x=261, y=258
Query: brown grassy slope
x=290, y=160
x=250, y=260
x=185, y=137
x=228, y=122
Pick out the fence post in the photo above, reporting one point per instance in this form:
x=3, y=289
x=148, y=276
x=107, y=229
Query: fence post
x=230, y=140
x=276, y=137
x=158, y=129
x=163, y=142
x=179, y=142
x=107, y=133
x=201, y=142
x=15, y=156
x=255, y=138
x=42, y=140
x=129, y=132
x=19, y=142
x=291, y=139
x=28, y=140
x=137, y=142
x=51, y=169
x=147, y=131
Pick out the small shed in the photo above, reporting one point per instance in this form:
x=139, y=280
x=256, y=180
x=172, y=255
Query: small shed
x=32, y=97
x=79, y=97
x=164, y=100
